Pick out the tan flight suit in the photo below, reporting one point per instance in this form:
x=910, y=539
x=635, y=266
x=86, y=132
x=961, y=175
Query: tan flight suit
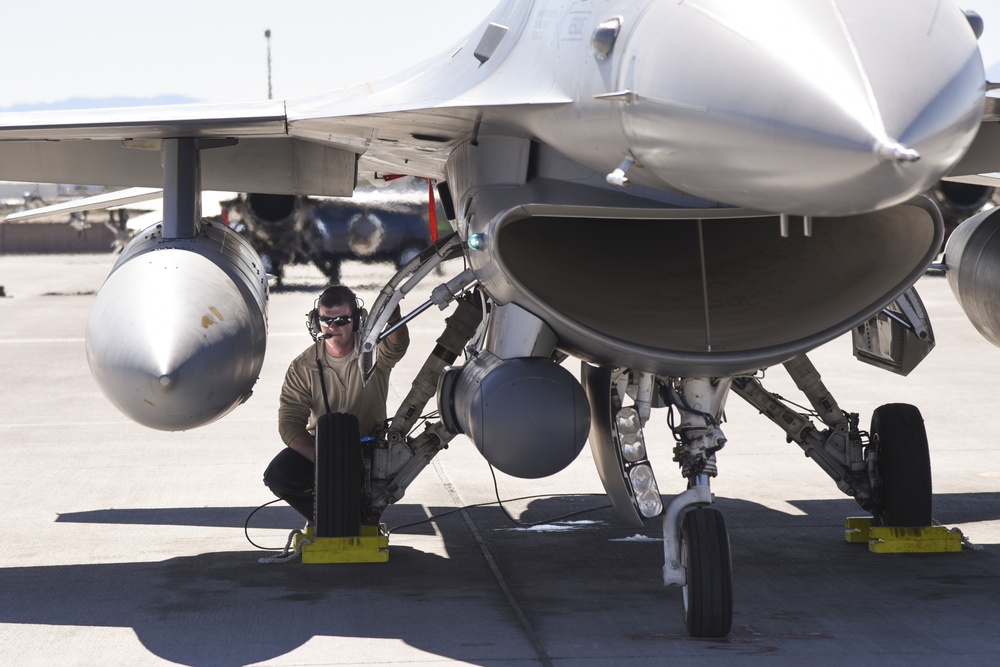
x=301, y=402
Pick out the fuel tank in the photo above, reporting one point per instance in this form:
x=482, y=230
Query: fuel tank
x=972, y=256
x=177, y=333
x=529, y=417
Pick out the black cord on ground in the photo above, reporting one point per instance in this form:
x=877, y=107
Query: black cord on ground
x=246, y=526
x=523, y=524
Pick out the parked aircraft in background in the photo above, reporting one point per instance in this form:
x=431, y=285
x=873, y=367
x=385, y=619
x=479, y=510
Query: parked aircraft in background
x=384, y=224
x=960, y=201
x=677, y=194
x=16, y=195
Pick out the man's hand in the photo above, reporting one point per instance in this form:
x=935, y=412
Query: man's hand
x=304, y=444
x=400, y=335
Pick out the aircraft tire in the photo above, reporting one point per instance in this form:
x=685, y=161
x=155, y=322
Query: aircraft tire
x=339, y=469
x=708, y=594
x=902, y=489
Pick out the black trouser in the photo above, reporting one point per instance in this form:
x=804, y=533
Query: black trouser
x=291, y=477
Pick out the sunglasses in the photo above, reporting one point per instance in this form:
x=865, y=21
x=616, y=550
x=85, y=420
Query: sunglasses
x=338, y=321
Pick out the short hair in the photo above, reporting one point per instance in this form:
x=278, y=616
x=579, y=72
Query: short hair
x=336, y=295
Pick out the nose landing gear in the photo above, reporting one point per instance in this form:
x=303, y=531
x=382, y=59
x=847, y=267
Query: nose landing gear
x=695, y=538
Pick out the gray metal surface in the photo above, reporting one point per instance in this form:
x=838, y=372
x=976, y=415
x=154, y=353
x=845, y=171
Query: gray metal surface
x=125, y=545
x=813, y=114
x=176, y=337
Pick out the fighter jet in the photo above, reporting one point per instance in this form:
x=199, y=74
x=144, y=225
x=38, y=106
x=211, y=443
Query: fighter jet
x=677, y=194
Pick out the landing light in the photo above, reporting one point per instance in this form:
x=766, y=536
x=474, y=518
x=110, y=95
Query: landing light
x=633, y=448
x=630, y=439
x=647, y=494
x=635, y=465
x=642, y=478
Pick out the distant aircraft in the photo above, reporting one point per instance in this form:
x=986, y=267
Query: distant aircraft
x=388, y=224
x=16, y=195
x=385, y=224
x=679, y=194
x=960, y=201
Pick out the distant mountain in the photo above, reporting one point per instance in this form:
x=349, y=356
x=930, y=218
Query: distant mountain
x=99, y=102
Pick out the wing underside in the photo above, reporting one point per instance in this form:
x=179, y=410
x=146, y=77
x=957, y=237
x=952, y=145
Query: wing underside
x=406, y=124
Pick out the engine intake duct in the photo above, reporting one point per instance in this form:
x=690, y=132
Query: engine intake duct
x=712, y=296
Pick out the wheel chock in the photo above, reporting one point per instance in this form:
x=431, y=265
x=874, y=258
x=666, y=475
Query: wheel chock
x=857, y=529
x=899, y=540
x=371, y=546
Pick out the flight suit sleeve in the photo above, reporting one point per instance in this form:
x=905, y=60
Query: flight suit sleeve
x=295, y=402
x=389, y=354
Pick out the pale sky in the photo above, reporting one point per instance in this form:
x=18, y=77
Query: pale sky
x=216, y=51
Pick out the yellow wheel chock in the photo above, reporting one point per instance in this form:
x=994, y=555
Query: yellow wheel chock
x=892, y=540
x=371, y=546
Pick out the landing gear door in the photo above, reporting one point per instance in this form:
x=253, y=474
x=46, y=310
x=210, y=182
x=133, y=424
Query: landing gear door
x=898, y=338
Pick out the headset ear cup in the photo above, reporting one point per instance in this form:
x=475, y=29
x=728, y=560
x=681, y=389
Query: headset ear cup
x=312, y=323
x=360, y=318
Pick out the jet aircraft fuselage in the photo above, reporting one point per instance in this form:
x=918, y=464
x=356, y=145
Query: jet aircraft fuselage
x=680, y=194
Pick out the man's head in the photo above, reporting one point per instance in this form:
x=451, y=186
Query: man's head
x=338, y=295
x=337, y=312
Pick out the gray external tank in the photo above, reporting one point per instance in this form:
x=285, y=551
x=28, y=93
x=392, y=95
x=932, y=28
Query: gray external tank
x=528, y=416
x=973, y=259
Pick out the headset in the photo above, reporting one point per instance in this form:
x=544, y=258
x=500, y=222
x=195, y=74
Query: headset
x=337, y=294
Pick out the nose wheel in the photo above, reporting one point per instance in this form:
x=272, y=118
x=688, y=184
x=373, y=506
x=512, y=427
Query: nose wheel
x=707, y=594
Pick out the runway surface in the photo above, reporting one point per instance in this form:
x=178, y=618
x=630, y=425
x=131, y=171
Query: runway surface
x=126, y=546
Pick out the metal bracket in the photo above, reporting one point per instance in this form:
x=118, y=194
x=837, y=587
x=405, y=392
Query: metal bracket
x=898, y=338
x=838, y=450
x=399, y=286
x=674, y=573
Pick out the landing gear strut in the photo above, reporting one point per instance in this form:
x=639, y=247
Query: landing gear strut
x=887, y=472
x=695, y=539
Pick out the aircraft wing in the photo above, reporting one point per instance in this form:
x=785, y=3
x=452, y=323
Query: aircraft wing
x=120, y=147
x=406, y=124
x=117, y=198
x=212, y=204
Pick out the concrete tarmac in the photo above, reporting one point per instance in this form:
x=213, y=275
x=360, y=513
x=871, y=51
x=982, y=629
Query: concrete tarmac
x=126, y=546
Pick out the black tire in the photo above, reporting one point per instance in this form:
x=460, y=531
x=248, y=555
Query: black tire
x=902, y=495
x=708, y=594
x=339, y=471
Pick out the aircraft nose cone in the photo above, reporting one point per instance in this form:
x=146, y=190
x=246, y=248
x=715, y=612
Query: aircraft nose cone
x=811, y=107
x=172, y=342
